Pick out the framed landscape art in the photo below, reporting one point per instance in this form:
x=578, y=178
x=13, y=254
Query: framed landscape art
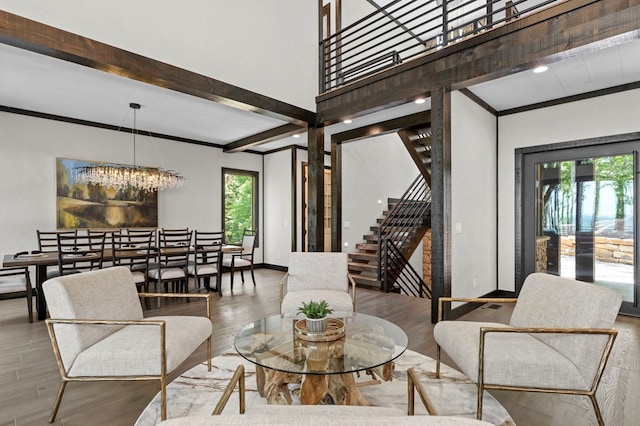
x=80, y=205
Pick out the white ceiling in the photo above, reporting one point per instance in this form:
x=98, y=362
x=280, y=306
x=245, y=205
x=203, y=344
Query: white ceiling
x=47, y=85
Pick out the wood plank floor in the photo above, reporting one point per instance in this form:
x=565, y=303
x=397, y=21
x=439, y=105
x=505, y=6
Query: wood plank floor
x=29, y=377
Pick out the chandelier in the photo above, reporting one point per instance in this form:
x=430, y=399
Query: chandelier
x=125, y=176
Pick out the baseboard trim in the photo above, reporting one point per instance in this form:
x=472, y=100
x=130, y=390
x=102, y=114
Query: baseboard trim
x=274, y=267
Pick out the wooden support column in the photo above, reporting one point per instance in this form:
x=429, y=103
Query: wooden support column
x=315, y=191
x=336, y=195
x=440, y=196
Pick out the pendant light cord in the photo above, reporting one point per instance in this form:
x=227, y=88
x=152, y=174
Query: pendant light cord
x=135, y=107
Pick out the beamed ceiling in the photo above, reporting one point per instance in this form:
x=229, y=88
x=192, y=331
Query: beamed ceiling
x=50, y=72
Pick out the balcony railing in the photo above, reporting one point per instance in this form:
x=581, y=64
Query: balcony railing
x=405, y=29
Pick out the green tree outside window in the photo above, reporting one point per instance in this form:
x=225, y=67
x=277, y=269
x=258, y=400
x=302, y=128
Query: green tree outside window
x=240, y=193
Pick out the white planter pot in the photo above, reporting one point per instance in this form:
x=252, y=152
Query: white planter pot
x=316, y=325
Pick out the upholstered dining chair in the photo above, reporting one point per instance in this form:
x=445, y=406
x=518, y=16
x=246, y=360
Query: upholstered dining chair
x=134, y=252
x=98, y=331
x=558, y=340
x=318, y=276
x=244, y=259
x=207, y=262
x=14, y=280
x=48, y=243
x=174, y=250
x=109, y=236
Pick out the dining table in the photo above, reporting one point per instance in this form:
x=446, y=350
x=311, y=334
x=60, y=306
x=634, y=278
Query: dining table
x=42, y=260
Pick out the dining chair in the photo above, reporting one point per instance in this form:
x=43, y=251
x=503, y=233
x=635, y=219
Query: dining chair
x=48, y=243
x=134, y=251
x=174, y=249
x=207, y=259
x=244, y=259
x=109, y=235
x=80, y=253
x=14, y=280
x=175, y=230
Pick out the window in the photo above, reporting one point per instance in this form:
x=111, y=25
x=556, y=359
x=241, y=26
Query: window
x=239, y=203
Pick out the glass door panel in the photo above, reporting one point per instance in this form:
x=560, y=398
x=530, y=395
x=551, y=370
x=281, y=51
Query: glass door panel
x=585, y=220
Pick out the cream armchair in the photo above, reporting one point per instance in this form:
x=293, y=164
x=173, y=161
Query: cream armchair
x=98, y=331
x=318, y=276
x=558, y=340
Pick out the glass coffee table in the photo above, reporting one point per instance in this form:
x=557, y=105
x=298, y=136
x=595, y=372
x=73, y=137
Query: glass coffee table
x=324, y=365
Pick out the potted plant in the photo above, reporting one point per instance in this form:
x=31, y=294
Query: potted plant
x=316, y=315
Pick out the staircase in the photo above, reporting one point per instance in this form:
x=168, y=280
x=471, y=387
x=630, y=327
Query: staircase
x=418, y=144
x=381, y=261
x=402, y=226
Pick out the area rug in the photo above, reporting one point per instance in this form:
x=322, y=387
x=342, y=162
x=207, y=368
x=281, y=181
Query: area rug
x=197, y=391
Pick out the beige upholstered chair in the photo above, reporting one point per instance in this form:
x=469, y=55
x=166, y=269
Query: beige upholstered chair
x=558, y=340
x=317, y=276
x=98, y=331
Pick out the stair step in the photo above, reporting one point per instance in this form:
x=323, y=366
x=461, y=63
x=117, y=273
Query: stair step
x=368, y=247
x=371, y=238
x=368, y=257
x=366, y=282
x=363, y=267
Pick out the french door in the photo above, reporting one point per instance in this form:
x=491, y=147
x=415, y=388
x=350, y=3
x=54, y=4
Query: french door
x=579, y=216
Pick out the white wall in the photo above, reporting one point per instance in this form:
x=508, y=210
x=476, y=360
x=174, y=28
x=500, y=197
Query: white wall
x=269, y=47
x=29, y=147
x=277, y=214
x=473, y=198
x=602, y=116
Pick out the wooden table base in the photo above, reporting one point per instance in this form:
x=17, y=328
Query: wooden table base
x=315, y=389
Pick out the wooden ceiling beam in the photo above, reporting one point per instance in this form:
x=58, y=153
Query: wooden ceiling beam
x=270, y=135
x=50, y=41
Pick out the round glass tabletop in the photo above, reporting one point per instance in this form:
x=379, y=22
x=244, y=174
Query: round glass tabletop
x=368, y=342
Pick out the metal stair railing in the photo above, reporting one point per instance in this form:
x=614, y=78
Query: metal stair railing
x=409, y=214
x=405, y=29
x=400, y=272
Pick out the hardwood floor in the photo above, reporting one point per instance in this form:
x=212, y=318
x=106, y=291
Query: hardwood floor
x=29, y=377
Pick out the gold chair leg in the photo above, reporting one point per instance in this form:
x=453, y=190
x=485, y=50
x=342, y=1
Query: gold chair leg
x=163, y=398
x=480, y=395
x=56, y=404
x=596, y=409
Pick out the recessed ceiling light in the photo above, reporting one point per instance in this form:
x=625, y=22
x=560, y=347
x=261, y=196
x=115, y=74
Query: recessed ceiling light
x=348, y=121
x=420, y=101
x=541, y=68
x=296, y=136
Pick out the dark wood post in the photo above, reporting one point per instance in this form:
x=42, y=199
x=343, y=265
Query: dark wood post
x=315, y=192
x=440, y=197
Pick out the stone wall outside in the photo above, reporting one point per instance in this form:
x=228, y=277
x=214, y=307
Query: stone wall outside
x=611, y=250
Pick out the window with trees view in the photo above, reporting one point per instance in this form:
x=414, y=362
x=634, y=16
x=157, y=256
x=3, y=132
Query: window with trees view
x=239, y=203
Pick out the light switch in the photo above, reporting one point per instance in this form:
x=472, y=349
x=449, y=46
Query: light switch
x=347, y=225
x=458, y=228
